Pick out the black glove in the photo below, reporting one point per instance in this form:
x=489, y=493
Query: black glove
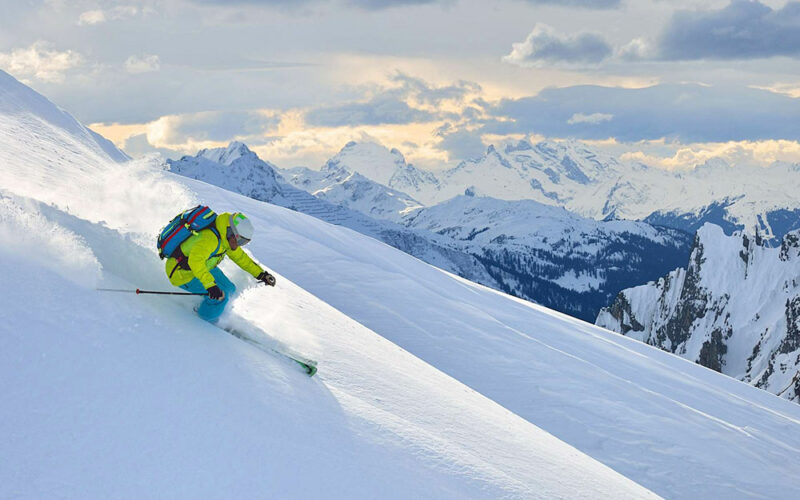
x=266, y=278
x=215, y=293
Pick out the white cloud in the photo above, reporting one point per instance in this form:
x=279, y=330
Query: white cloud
x=545, y=46
x=687, y=156
x=98, y=16
x=592, y=119
x=92, y=17
x=637, y=49
x=142, y=64
x=40, y=61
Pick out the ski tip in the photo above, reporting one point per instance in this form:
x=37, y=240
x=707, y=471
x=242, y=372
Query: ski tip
x=310, y=368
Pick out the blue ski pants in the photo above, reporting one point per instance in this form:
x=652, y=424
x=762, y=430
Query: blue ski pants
x=211, y=310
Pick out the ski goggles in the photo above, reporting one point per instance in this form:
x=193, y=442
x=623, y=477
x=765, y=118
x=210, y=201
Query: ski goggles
x=232, y=233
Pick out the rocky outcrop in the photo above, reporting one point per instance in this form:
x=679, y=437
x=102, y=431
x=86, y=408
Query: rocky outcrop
x=735, y=308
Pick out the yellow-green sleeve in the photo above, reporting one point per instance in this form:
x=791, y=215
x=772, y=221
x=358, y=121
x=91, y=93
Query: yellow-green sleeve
x=198, y=256
x=244, y=261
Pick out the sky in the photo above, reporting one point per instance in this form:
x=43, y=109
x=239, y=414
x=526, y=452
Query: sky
x=669, y=82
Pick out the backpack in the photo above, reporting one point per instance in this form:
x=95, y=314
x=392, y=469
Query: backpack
x=181, y=228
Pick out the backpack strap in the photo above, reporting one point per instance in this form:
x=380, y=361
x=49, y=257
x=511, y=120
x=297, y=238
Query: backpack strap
x=183, y=260
x=219, y=241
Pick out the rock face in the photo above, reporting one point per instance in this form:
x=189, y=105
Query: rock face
x=551, y=256
x=735, y=308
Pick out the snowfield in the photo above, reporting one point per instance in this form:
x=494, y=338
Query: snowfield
x=430, y=386
x=111, y=395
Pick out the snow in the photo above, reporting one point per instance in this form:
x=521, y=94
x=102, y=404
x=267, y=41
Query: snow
x=740, y=289
x=590, y=183
x=126, y=396
x=430, y=386
x=337, y=184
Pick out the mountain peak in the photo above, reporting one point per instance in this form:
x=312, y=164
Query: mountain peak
x=227, y=155
x=370, y=159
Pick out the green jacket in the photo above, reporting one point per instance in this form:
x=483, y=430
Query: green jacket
x=204, y=252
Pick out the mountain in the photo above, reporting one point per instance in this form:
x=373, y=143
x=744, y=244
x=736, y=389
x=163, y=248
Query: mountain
x=238, y=169
x=430, y=386
x=735, y=308
x=556, y=258
x=569, y=263
x=586, y=181
x=341, y=186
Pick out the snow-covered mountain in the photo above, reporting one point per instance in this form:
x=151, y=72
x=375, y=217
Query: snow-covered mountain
x=238, y=169
x=735, y=308
x=533, y=251
x=429, y=386
x=341, y=186
x=549, y=255
x=586, y=181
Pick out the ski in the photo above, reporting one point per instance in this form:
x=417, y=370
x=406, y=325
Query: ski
x=308, y=365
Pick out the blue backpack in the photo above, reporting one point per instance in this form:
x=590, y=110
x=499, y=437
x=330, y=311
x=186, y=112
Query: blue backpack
x=181, y=228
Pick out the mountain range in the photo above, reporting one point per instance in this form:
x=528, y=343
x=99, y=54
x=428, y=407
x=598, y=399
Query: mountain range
x=596, y=185
x=532, y=250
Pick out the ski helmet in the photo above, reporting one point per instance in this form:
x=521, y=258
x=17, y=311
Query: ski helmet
x=242, y=228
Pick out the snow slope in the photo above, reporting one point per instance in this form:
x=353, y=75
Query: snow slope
x=122, y=396
x=138, y=385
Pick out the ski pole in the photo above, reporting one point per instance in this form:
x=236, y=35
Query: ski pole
x=152, y=292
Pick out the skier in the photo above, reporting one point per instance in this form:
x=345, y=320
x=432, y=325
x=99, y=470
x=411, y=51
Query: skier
x=195, y=268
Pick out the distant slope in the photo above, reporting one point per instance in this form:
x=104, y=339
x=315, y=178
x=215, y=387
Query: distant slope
x=111, y=395
x=553, y=257
x=734, y=308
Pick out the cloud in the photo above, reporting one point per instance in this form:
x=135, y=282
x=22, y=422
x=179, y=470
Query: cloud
x=385, y=109
x=686, y=113
x=92, y=17
x=588, y=4
x=636, y=50
x=460, y=143
x=544, y=46
x=744, y=29
x=426, y=93
x=593, y=118
x=385, y=4
x=40, y=61
x=99, y=16
x=137, y=146
x=761, y=153
x=214, y=126
x=361, y=4
x=142, y=64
